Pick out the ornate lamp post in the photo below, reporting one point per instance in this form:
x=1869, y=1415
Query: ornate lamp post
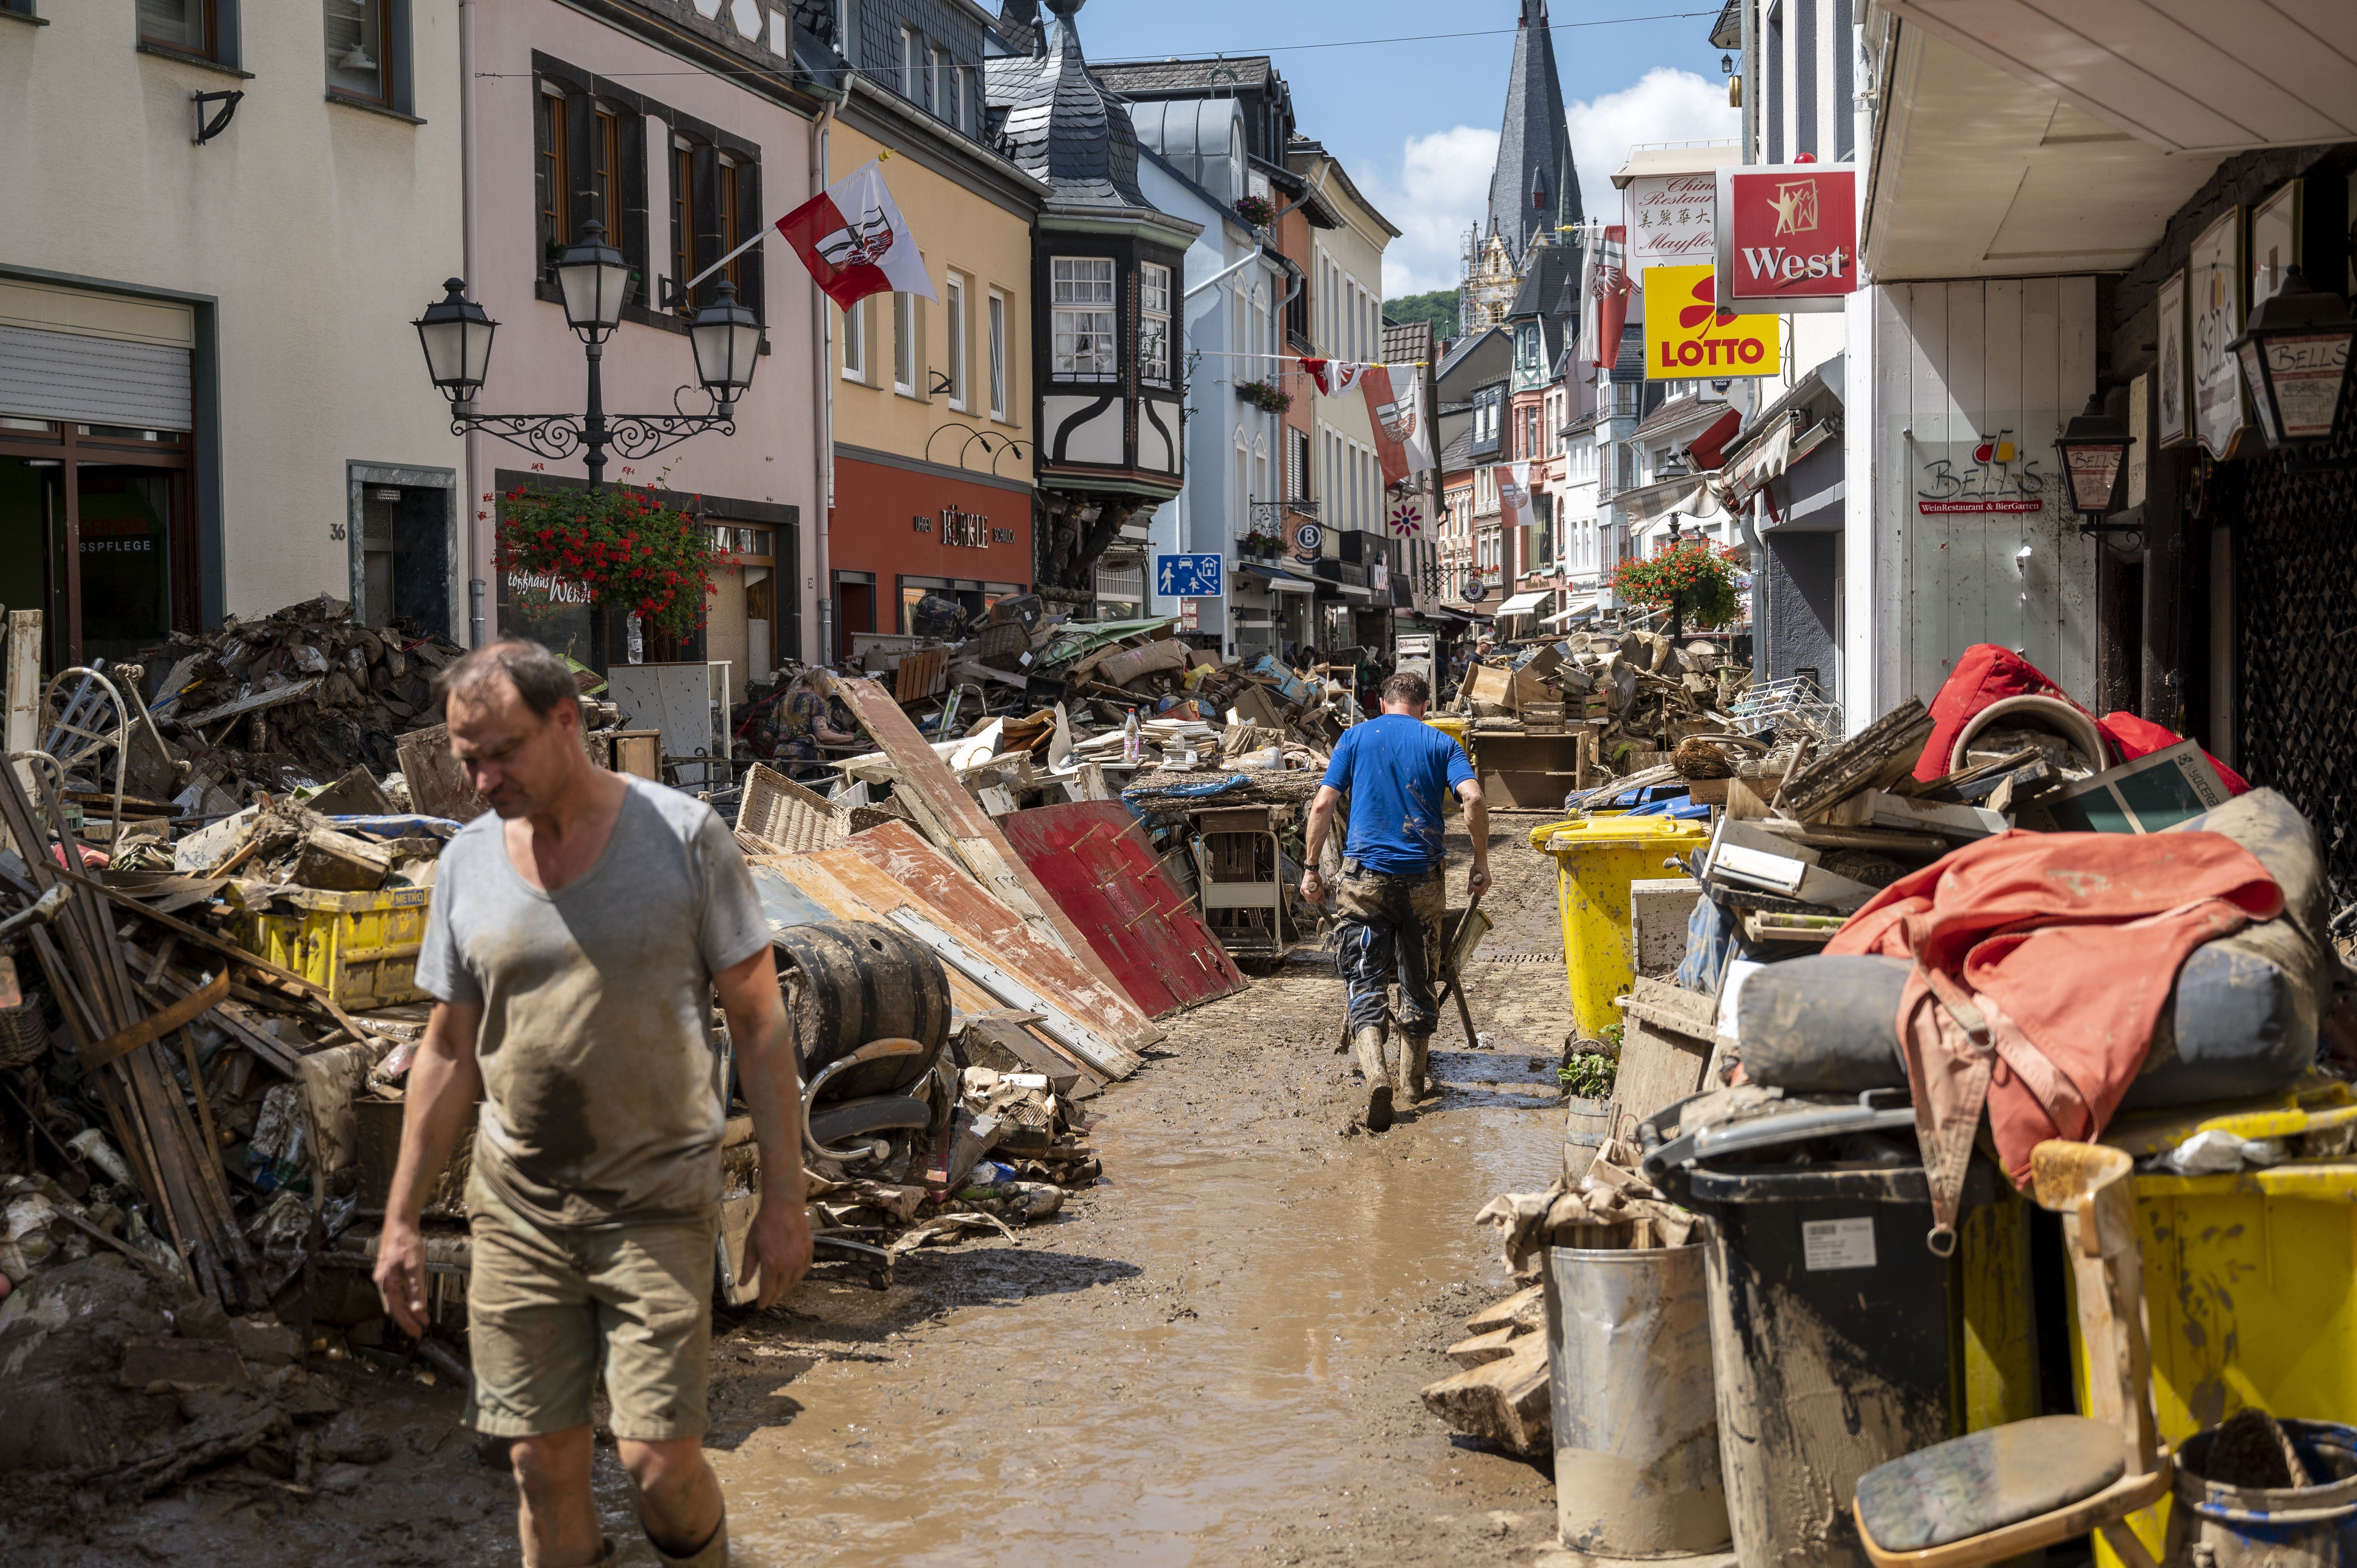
x=2295, y=357
x=2094, y=448
x=594, y=279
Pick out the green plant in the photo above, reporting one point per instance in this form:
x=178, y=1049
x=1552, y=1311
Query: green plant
x=1255, y=211
x=1697, y=579
x=1265, y=395
x=1588, y=1075
x=626, y=549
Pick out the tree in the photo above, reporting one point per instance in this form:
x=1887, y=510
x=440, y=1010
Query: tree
x=1439, y=307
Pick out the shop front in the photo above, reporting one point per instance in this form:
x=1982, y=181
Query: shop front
x=902, y=528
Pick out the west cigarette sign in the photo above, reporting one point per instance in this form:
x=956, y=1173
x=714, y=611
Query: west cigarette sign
x=1787, y=237
x=1688, y=338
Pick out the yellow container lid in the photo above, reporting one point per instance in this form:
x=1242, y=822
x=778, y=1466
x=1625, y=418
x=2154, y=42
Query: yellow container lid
x=1571, y=837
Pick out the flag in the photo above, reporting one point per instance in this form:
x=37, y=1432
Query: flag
x=1333, y=376
x=1604, y=303
x=1513, y=480
x=1403, y=445
x=853, y=241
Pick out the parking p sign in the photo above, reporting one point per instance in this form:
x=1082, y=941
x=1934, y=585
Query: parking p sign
x=1189, y=576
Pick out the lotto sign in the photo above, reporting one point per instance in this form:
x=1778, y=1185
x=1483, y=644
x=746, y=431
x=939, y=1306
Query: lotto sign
x=1687, y=338
x=1188, y=576
x=1787, y=237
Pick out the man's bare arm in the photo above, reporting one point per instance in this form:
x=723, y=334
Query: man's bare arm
x=1476, y=829
x=780, y=1245
x=444, y=1082
x=1321, y=823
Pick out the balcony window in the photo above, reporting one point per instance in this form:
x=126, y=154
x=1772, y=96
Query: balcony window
x=1084, y=328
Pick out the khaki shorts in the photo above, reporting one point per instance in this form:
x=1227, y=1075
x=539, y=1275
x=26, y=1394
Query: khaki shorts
x=547, y=1309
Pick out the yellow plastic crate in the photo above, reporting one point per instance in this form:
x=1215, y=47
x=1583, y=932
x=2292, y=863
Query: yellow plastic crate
x=362, y=946
x=1596, y=858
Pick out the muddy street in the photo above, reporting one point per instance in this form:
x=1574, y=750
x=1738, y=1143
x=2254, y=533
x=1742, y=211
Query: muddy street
x=1211, y=1356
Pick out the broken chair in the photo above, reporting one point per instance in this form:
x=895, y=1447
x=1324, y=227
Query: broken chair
x=1992, y=1495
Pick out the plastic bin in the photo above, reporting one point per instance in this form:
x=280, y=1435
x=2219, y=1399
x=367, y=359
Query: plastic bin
x=1596, y=858
x=2250, y=1300
x=362, y=946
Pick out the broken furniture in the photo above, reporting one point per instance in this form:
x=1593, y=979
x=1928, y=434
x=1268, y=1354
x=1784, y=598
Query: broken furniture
x=688, y=702
x=1533, y=772
x=1989, y=1496
x=1240, y=878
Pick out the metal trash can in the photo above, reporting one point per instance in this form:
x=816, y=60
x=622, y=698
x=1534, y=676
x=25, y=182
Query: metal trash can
x=2267, y=1527
x=1636, y=1435
x=1834, y=1327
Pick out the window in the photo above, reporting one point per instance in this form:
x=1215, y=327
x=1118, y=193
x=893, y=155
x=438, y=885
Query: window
x=360, y=49
x=733, y=180
x=940, y=86
x=550, y=132
x=854, y=343
x=1154, y=323
x=683, y=213
x=188, y=25
x=998, y=355
x=904, y=343
x=1080, y=294
x=605, y=170
x=1297, y=464
x=955, y=305
x=908, y=56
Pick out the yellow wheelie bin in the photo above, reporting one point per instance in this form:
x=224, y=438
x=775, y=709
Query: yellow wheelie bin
x=1596, y=858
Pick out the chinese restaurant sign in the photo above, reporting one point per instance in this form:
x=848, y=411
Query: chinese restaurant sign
x=1669, y=219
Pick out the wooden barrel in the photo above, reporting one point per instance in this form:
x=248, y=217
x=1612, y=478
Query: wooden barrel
x=847, y=983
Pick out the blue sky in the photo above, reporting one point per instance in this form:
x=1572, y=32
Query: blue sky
x=1416, y=123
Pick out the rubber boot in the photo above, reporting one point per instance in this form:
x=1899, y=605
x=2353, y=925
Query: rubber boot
x=1367, y=1045
x=1416, y=1068
x=712, y=1553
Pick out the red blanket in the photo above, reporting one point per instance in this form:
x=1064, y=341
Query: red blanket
x=2042, y=961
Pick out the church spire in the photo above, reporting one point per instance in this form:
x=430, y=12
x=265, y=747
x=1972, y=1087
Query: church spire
x=1536, y=186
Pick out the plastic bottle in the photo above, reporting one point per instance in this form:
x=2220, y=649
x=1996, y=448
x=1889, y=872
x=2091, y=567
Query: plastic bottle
x=1133, y=738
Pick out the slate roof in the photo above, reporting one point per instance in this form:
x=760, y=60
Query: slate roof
x=1550, y=283
x=1465, y=346
x=1674, y=412
x=1058, y=125
x=1534, y=186
x=1726, y=33
x=1140, y=78
x=1018, y=26
x=1459, y=454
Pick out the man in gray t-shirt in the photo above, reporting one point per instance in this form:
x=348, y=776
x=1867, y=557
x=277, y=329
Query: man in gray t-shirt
x=577, y=933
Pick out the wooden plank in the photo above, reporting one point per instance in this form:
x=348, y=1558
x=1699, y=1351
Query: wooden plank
x=1883, y=752
x=438, y=785
x=1659, y=1067
x=1672, y=1007
x=889, y=864
x=971, y=835
x=158, y=1025
x=984, y=968
x=252, y=703
x=1505, y=1401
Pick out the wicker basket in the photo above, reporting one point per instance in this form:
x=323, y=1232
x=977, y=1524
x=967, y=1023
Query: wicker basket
x=24, y=1037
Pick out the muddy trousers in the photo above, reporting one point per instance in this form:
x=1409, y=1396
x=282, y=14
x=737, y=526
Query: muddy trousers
x=1390, y=933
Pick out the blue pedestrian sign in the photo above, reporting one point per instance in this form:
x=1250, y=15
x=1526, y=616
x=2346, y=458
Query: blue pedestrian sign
x=1189, y=576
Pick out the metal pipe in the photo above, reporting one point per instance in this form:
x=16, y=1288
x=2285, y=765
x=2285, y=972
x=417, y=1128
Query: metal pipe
x=476, y=564
x=822, y=331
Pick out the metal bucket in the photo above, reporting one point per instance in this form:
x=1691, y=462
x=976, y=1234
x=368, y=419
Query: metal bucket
x=1636, y=1428
x=1585, y=1124
x=2217, y=1526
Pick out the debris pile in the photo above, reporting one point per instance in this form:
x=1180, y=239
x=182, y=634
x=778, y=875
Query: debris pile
x=1631, y=697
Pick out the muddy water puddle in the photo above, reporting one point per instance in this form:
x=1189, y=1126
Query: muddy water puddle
x=1171, y=1412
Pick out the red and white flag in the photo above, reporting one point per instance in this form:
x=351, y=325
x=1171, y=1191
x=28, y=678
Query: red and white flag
x=1396, y=408
x=1515, y=508
x=1604, y=303
x=1334, y=377
x=853, y=241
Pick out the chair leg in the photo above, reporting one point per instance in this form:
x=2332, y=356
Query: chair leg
x=2127, y=1543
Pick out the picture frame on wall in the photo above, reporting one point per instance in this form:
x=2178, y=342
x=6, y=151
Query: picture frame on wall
x=2217, y=276
x=2173, y=379
x=2275, y=235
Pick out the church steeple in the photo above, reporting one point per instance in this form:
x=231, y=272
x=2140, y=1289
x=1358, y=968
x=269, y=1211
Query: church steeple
x=1534, y=186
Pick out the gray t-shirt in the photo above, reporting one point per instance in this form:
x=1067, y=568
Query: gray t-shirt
x=600, y=1100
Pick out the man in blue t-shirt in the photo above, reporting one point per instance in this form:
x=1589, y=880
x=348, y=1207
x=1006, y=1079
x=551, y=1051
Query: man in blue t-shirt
x=1398, y=772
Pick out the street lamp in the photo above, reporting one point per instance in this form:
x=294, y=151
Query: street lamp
x=2295, y=357
x=595, y=280
x=2094, y=448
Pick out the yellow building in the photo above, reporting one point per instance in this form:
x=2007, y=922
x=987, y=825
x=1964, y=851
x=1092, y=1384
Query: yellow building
x=931, y=399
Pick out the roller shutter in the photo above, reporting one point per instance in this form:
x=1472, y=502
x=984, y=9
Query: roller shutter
x=94, y=380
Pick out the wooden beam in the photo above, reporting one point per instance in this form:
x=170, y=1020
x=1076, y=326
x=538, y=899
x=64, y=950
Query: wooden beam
x=156, y=1025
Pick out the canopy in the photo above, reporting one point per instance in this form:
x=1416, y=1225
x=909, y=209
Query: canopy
x=1585, y=604
x=1523, y=604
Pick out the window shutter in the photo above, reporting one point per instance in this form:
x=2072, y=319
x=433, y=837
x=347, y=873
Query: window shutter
x=95, y=380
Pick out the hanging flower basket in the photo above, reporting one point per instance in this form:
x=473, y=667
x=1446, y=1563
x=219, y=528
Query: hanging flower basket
x=1255, y=211
x=623, y=547
x=1696, y=578
x=1267, y=395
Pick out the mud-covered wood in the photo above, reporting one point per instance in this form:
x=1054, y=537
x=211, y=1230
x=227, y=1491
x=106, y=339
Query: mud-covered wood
x=848, y=983
x=1882, y=753
x=1505, y=1401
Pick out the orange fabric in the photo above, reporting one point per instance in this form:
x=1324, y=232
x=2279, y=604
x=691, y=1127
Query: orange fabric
x=2042, y=961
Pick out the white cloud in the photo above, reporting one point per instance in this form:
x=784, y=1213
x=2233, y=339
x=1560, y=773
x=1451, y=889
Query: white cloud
x=1663, y=105
x=1442, y=188
x=1442, y=184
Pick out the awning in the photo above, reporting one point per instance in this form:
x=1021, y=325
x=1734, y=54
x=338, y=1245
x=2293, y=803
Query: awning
x=1583, y=605
x=1278, y=579
x=1523, y=604
x=1685, y=494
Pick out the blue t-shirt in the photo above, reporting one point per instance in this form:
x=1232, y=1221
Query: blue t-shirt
x=1399, y=773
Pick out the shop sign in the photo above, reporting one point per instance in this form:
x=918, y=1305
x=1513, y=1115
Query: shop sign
x=1985, y=473
x=1306, y=538
x=1688, y=337
x=1787, y=237
x=2172, y=382
x=2214, y=284
x=968, y=529
x=1670, y=219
